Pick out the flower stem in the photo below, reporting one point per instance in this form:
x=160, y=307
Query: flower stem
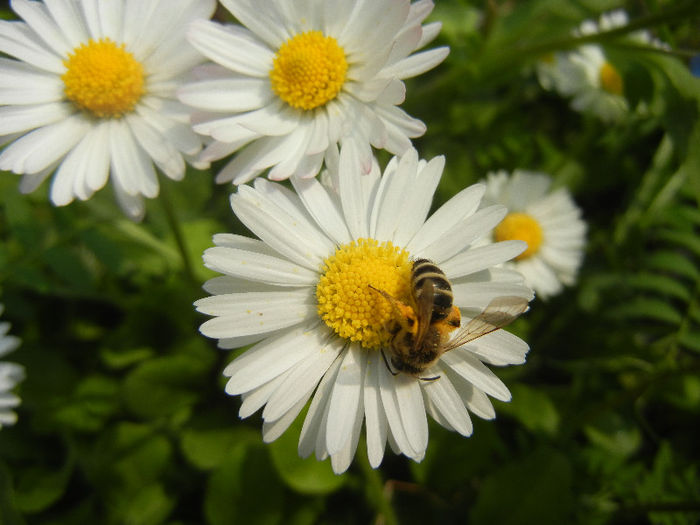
x=176, y=228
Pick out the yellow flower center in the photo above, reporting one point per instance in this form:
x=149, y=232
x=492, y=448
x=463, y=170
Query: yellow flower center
x=346, y=302
x=522, y=227
x=610, y=79
x=103, y=78
x=308, y=70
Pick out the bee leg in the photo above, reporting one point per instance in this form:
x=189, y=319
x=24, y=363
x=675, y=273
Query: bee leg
x=387, y=365
x=434, y=378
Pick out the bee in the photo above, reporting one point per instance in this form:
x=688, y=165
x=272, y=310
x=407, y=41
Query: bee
x=423, y=330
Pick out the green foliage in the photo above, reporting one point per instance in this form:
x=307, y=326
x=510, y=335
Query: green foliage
x=124, y=419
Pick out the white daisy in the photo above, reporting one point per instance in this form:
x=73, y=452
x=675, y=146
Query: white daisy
x=301, y=77
x=10, y=375
x=302, y=294
x=586, y=75
x=92, y=93
x=550, y=223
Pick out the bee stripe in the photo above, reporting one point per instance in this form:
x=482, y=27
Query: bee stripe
x=442, y=302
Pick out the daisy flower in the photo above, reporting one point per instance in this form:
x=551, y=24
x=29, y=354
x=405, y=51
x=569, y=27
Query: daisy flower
x=91, y=93
x=10, y=375
x=548, y=221
x=585, y=74
x=299, y=78
x=303, y=294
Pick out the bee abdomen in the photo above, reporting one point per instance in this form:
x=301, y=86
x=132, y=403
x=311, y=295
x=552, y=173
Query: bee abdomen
x=423, y=270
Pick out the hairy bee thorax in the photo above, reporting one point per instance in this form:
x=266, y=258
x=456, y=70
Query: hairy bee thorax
x=423, y=269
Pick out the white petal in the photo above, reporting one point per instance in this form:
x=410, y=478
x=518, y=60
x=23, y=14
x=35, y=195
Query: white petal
x=455, y=239
x=44, y=146
x=258, y=267
x=279, y=229
x=322, y=208
x=158, y=148
x=500, y=348
x=481, y=258
x=450, y=214
x=19, y=41
x=37, y=17
x=263, y=19
x=478, y=374
x=387, y=388
x=273, y=429
x=375, y=419
x=345, y=397
x=15, y=119
x=313, y=429
x=447, y=401
x=130, y=164
x=272, y=357
x=255, y=312
x=233, y=47
x=227, y=94
x=417, y=63
x=301, y=381
x=255, y=399
x=23, y=84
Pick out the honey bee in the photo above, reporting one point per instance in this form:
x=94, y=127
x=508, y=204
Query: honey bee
x=422, y=332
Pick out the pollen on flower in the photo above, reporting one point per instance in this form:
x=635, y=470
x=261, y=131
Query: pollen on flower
x=308, y=70
x=610, y=79
x=348, y=305
x=103, y=78
x=522, y=227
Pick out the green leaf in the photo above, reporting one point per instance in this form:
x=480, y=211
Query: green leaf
x=207, y=449
x=244, y=489
x=659, y=283
x=119, y=359
x=690, y=340
x=614, y=435
x=149, y=506
x=306, y=476
x=164, y=386
x=93, y=402
x=38, y=488
x=533, y=408
x=647, y=308
x=534, y=489
x=9, y=513
x=673, y=262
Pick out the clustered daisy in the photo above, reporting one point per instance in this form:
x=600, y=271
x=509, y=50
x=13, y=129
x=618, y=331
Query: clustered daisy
x=303, y=293
x=586, y=73
x=98, y=89
x=299, y=78
x=547, y=220
x=10, y=375
x=90, y=93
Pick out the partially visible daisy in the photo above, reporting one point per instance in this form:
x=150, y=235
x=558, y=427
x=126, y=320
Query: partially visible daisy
x=586, y=74
x=549, y=221
x=92, y=94
x=299, y=78
x=302, y=293
x=10, y=375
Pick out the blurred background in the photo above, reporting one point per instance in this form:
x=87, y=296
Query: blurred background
x=124, y=418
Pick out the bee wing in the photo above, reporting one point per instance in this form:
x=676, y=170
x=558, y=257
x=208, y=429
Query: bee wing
x=499, y=313
x=424, y=304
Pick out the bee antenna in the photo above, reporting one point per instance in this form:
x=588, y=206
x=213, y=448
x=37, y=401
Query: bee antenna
x=386, y=362
x=431, y=379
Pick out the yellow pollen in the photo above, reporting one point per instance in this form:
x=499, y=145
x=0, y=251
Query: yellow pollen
x=308, y=70
x=610, y=79
x=348, y=305
x=103, y=78
x=522, y=227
